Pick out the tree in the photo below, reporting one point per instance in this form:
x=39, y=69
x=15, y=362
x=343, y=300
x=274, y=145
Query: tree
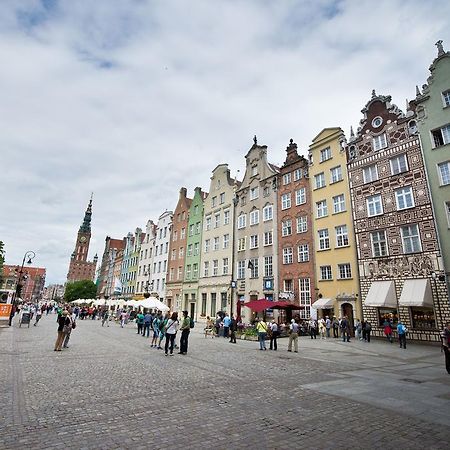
x=80, y=289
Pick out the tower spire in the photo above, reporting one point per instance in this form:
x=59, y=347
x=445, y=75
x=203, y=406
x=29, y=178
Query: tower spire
x=86, y=225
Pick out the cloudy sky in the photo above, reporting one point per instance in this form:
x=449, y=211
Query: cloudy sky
x=132, y=99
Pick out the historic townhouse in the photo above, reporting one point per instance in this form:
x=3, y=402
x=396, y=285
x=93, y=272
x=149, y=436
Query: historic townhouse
x=177, y=251
x=336, y=288
x=255, y=249
x=105, y=284
x=433, y=122
x=139, y=236
x=125, y=273
x=217, y=244
x=146, y=259
x=397, y=244
x=192, y=258
x=161, y=255
x=295, y=237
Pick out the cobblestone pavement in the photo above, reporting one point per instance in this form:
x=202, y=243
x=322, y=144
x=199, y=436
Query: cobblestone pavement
x=111, y=390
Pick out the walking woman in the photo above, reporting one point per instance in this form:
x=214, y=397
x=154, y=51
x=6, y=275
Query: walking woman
x=171, y=331
x=63, y=324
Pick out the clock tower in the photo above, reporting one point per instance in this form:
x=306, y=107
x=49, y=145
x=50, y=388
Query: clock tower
x=80, y=268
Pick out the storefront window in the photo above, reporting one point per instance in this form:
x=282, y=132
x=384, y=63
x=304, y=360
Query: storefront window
x=389, y=314
x=423, y=318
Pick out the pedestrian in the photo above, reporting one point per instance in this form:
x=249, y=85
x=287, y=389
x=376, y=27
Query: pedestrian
x=162, y=333
x=312, y=328
x=363, y=329
x=140, y=322
x=358, y=330
x=38, y=316
x=105, y=317
x=446, y=345
x=273, y=335
x=233, y=329
x=156, y=324
x=335, y=325
x=170, y=331
x=401, y=331
x=368, y=329
x=387, y=330
x=345, y=329
x=217, y=325
x=261, y=328
x=185, y=331
x=226, y=325
x=209, y=328
x=293, y=336
x=147, y=322
x=123, y=318
x=63, y=323
x=70, y=328
x=322, y=328
x=328, y=326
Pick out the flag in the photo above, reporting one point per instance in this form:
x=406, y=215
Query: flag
x=117, y=286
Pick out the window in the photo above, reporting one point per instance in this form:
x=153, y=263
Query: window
x=441, y=136
x=288, y=286
x=159, y=267
x=254, y=241
x=302, y=224
x=222, y=198
x=180, y=273
x=217, y=220
x=216, y=244
x=379, y=243
x=319, y=180
x=305, y=297
x=399, y=164
x=241, y=244
x=404, y=198
x=174, y=255
x=324, y=239
x=226, y=240
x=321, y=209
x=204, y=297
x=195, y=210
x=225, y=266
x=345, y=271
x=253, y=266
x=379, y=142
x=286, y=227
x=206, y=269
x=325, y=273
x=341, y=236
x=300, y=196
x=447, y=212
x=297, y=174
x=374, y=206
x=213, y=304
x=325, y=154
x=254, y=217
x=286, y=201
x=183, y=233
x=254, y=170
x=191, y=230
x=197, y=228
x=336, y=174
x=267, y=213
x=196, y=249
x=214, y=202
x=195, y=271
x=171, y=273
x=268, y=238
x=266, y=191
x=286, y=178
x=215, y=267
x=207, y=245
x=338, y=204
x=410, y=239
x=241, y=269
x=303, y=253
x=188, y=271
x=288, y=255
x=242, y=221
x=226, y=217
x=243, y=200
x=254, y=193
x=444, y=173
x=446, y=98
x=370, y=173
x=268, y=266
x=189, y=250
x=423, y=318
x=174, y=238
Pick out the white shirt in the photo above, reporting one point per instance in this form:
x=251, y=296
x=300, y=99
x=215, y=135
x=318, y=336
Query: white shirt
x=172, y=326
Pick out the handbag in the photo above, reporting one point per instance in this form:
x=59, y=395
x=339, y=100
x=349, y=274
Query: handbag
x=67, y=329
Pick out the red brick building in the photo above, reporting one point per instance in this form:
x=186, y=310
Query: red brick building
x=33, y=281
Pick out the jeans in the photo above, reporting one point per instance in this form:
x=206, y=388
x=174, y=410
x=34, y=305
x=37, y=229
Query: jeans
x=402, y=340
x=140, y=326
x=335, y=332
x=312, y=333
x=226, y=331
x=170, y=338
x=105, y=320
x=262, y=340
x=146, y=329
x=184, y=341
x=273, y=340
x=328, y=333
x=368, y=335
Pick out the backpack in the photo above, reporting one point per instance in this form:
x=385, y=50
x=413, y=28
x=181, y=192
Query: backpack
x=191, y=323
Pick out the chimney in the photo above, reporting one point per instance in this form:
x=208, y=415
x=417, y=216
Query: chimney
x=183, y=192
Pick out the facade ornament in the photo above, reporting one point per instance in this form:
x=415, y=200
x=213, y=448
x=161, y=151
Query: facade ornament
x=373, y=93
x=352, y=134
x=440, y=47
x=417, y=91
x=255, y=140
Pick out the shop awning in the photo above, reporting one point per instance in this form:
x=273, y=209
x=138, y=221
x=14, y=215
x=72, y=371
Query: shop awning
x=417, y=293
x=323, y=303
x=381, y=295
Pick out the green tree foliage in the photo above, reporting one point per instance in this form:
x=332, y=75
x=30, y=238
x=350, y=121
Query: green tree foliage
x=80, y=289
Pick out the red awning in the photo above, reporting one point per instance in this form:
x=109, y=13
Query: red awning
x=285, y=305
x=259, y=305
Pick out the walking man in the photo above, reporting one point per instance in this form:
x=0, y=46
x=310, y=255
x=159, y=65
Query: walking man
x=233, y=329
x=293, y=336
x=261, y=328
x=147, y=322
x=185, y=330
x=345, y=329
x=401, y=331
x=274, y=335
x=226, y=325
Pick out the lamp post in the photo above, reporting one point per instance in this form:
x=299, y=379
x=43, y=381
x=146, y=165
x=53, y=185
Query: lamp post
x=29, y=256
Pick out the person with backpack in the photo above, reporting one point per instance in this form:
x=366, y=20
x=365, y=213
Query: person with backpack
x=156, y=327
x=446, y=345
x=148, y=318
x=140, y=322
x=345, y=329
x=233, y=329
x=162, y=328
x=185, y=330
x=170, y=331
x=401, y=331
x=368, y=328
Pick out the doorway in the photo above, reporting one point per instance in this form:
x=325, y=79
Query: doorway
x=192, y=311
x=347, y=310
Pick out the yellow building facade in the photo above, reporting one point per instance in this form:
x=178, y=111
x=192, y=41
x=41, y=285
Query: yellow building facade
x=337, y=284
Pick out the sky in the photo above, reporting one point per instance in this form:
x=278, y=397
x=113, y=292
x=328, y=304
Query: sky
x=132, y=99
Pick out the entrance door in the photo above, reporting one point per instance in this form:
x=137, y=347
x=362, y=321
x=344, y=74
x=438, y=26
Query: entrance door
x=347, y=310
x=192, y=311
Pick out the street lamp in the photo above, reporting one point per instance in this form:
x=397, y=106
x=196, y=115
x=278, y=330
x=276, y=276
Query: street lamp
x=28, y=257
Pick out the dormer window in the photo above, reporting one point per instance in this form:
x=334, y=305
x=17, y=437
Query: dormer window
x=254, y=170
x=446, y=98
x=412, y=127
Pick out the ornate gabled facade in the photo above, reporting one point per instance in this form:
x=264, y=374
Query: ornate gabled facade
x=395, y=231
x=126, y=274
x=216, y=247
x=177, y=251
x=433, y=121
x=80, y=268
x=145, y=260
x=105, y=284
x=336, y=268
x=294, y=229
x=255, y=249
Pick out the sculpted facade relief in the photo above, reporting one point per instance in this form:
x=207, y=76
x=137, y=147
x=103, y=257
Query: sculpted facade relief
x=401, y=267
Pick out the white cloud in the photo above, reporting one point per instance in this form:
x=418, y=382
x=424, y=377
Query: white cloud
x=135, y=100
